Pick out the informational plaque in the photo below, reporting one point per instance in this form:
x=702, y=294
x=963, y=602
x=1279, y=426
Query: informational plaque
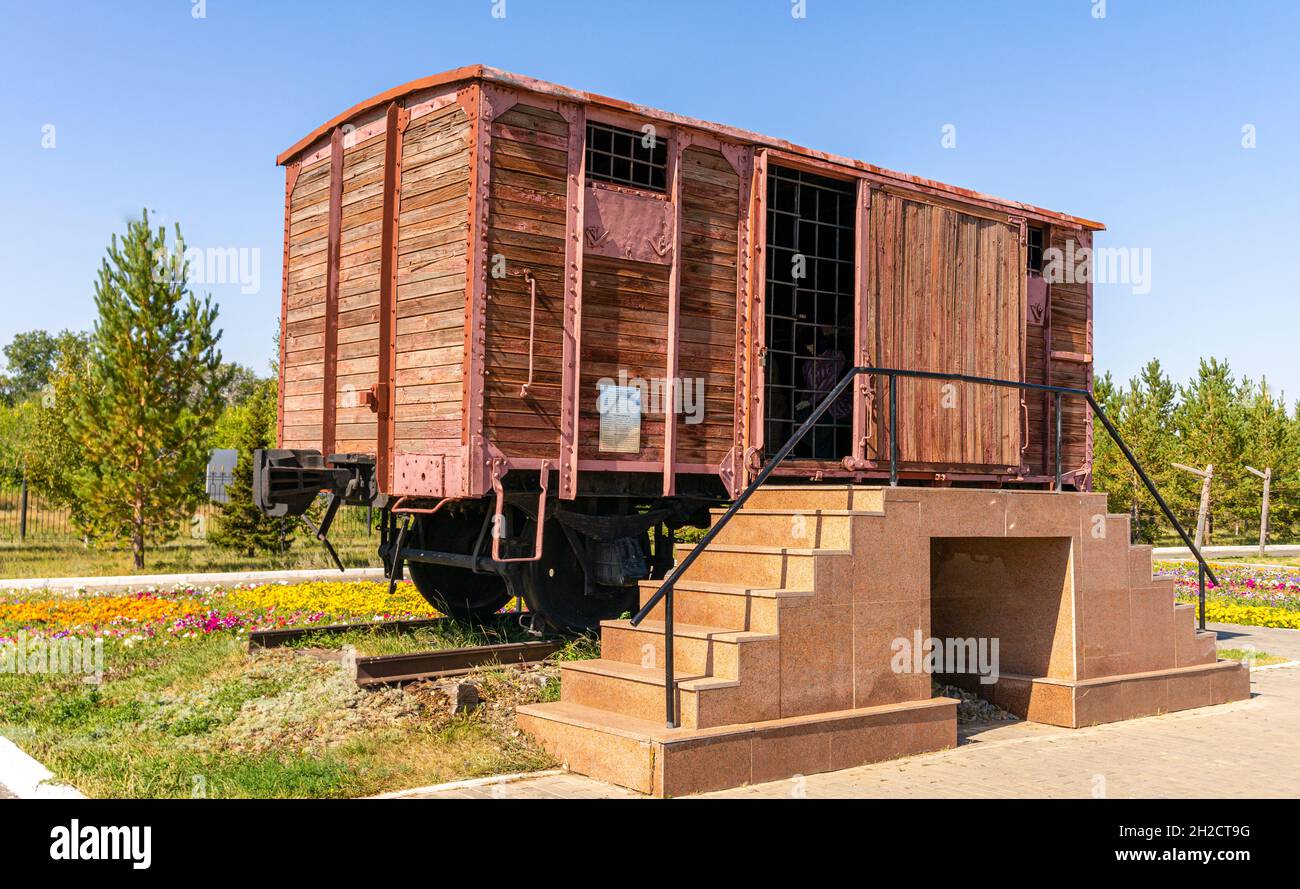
x=620, y=419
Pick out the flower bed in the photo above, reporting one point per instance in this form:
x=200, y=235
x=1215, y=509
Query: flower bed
x=1261, y=597
x=173, y=695
x=193, y=612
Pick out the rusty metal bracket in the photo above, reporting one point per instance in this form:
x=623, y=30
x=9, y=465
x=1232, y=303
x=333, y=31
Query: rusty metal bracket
x=376, y=397
x=1023, y=224
x=500, y=466
x=727, y=471
x=399, y=509
x=532, y=326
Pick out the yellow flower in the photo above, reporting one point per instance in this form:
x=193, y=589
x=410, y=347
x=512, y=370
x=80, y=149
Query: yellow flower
x=62, y=613
x=1252, y=615
x=359, y=598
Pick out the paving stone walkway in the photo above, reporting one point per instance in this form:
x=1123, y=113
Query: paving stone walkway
x=1239, y=750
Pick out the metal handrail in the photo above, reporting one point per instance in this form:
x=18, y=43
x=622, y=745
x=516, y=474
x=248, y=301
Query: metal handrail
x=665, y=592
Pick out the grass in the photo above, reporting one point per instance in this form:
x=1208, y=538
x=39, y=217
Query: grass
x=445, y=634
x=72, y=559
x=180, y=718
x=1256, y=658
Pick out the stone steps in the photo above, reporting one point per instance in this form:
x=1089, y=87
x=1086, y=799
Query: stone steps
x=699, y=649
x=819, y=528
x=769, y=567
x=783, y=628
x=648, y=757
x=732, y=606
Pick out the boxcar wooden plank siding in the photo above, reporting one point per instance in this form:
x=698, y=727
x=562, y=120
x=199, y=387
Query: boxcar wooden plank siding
x=1038, y=453
x=948, y=294
x=710, y=222
x=624, y=330
x=431, y=238
x=526, y=225
x=304, y=361
x=360, y=237
x=1071, y=316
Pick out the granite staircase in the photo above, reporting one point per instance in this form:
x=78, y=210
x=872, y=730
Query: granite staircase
x=785, y=629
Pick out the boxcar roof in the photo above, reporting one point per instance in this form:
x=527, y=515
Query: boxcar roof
x=484, y=72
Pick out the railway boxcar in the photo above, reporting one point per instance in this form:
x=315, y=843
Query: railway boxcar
x=542, y=329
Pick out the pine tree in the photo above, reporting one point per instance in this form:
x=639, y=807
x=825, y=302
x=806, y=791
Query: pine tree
x=1109, y=468
x=1266, y=445
x=1142, y=412
x=153, y=389
x=241, y=525
x=1210, y=427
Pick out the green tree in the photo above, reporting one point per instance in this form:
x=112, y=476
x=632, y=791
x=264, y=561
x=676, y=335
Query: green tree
x=241, y=525
x=53, y=458
x=1211, y=430
x=153, y=389
x=30, y=361
x=36, y=440
x=1108, y=464
x=1267, y=444
x=243, y=383
x=1142, y=411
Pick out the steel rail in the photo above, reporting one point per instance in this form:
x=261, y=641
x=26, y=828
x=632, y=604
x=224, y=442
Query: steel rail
x=395, y=669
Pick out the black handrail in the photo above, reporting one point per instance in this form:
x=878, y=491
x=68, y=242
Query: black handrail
x=665, y=592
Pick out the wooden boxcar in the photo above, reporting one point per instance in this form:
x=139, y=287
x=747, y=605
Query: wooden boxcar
x=541, y=323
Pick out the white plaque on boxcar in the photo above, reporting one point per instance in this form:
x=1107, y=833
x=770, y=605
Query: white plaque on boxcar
x=620, y=418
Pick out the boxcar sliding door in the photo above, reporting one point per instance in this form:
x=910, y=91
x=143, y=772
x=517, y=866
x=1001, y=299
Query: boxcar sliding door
x=945, y=289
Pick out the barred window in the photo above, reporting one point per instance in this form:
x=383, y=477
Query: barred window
x=1034, y=256
x=626, y=157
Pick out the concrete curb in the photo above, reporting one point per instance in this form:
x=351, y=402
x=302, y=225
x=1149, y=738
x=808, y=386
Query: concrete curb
x=469, y=782
x=28, y=779
x=1280, y=666
x=168, y=581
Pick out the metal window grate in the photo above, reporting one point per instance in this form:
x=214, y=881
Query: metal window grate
x=1034, y=253
x=626, y=157
x=810, y=309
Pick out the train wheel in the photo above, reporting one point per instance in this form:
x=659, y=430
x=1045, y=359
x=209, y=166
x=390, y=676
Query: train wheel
x=554, y=588
x=456, y=592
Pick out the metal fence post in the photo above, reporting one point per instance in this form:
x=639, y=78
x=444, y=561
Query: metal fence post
x=670, y=679
x=22, y=511
x=1200, y=568
x=893, y=430
x=1057, y=410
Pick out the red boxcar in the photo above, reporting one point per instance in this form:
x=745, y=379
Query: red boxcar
x=544, y=328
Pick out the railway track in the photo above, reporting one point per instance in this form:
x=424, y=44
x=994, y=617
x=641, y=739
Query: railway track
x=289, y=635
x=397, y=669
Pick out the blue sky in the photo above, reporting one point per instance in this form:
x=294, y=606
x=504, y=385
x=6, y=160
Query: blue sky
x=1134, y=119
